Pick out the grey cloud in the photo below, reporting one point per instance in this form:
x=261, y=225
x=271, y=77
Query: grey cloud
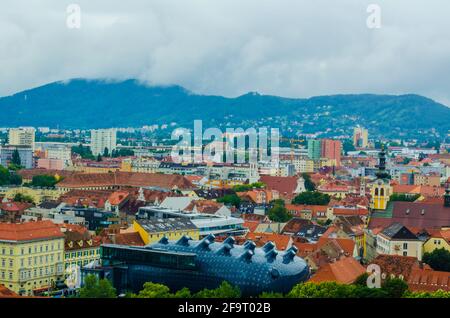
x=291, y=48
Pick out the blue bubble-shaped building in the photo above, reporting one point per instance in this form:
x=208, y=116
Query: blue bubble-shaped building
x=204, y=264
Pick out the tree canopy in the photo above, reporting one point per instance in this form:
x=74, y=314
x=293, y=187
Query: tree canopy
x=439, y=259
x=312, y=198
x=278, y=212
x=97, y=288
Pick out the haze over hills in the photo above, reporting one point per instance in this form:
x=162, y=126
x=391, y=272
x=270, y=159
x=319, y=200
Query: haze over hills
x=100, y=104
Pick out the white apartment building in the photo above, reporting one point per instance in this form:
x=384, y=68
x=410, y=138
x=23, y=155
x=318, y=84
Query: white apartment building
x=101, y=139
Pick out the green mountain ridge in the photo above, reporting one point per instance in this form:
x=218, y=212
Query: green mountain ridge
x=87, y=104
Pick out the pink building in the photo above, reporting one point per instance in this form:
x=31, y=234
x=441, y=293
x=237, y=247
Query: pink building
x=51, y=164
x=331, y=149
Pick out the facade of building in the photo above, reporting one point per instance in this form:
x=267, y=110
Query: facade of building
x=31, y=256
x=25, y=154
x=360, y=137
x=396, y=239
x=331, y=149
x=153, y=230
x=202, y=264
x=101, y=139
x=314, y=149
x=24, y=136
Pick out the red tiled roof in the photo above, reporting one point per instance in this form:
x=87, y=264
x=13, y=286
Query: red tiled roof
x=350, y=211
x=29, y=231
x=284, y=185
x=344, y=271
x=281, y=241
x=251, y=225
x=133, y=179
x=130, y=239
x=14, y=206
x=7, y=293
x=428, y=280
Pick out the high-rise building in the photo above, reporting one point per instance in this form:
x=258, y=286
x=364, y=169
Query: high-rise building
x=360, y=137
x=331, y=149
x=23, y=136
x=101, y=139
x=314, y=149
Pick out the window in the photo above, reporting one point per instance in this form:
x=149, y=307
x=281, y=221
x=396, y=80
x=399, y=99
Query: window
x=405, y=253
x=405, y=246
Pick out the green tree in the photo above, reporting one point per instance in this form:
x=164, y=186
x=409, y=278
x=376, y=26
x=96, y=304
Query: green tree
x=394, y=287
x=95, y=288
x=106, y=152
x=19, y=197
x=99, y=158
x=278, y=212
x=312, y=198
x=230, y=199
x=439, y=259
x=309, y=185
x=403, y=197
x=225, y=290
x=248, y=187
x=9, y=178
x=153, y=290
x=44, y=181
x=437, y=294
x=271, y=295
x=84, y=152
x=15, y=160
x=322, y=290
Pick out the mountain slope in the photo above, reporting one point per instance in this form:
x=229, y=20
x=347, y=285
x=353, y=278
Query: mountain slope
x=97, y=104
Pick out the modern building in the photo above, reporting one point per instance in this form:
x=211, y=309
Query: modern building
x=314, y=149
x=31, y=256
x=205, y=223
x=25, y=154
x=102, y=139
x=23, y=136
x=360, y=137
x=153, y=230
x=331, y=149
x=202, y=264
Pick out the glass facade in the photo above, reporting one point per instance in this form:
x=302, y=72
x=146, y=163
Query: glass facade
x=203, y=264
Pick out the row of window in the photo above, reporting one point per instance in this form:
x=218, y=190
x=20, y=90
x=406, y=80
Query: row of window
x=36, y=260
x=82, y=253
x=36, y=249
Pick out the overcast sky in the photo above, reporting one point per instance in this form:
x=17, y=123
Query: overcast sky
x=292, y=48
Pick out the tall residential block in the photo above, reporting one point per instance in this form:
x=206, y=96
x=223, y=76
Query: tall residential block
x=101, y=139
x=314, y=150
x=360, y=137
x=23, y=136
x=331, y=149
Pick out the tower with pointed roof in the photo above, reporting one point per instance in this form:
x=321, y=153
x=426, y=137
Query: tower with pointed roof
x=381, y=189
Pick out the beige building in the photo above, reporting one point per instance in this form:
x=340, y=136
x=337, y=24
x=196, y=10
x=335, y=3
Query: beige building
x=360, y=137
x=23, y=136
x=396, y=239
x=101, y=139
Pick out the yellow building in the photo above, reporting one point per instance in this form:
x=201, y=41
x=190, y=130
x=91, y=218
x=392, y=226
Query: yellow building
x=81, y=252
x=173, y=229
x=380, y=191
x=38, y=195
x=440, y=239
x=31, y=256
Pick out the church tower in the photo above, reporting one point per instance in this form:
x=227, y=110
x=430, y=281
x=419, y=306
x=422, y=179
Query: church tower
x=381, y=189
